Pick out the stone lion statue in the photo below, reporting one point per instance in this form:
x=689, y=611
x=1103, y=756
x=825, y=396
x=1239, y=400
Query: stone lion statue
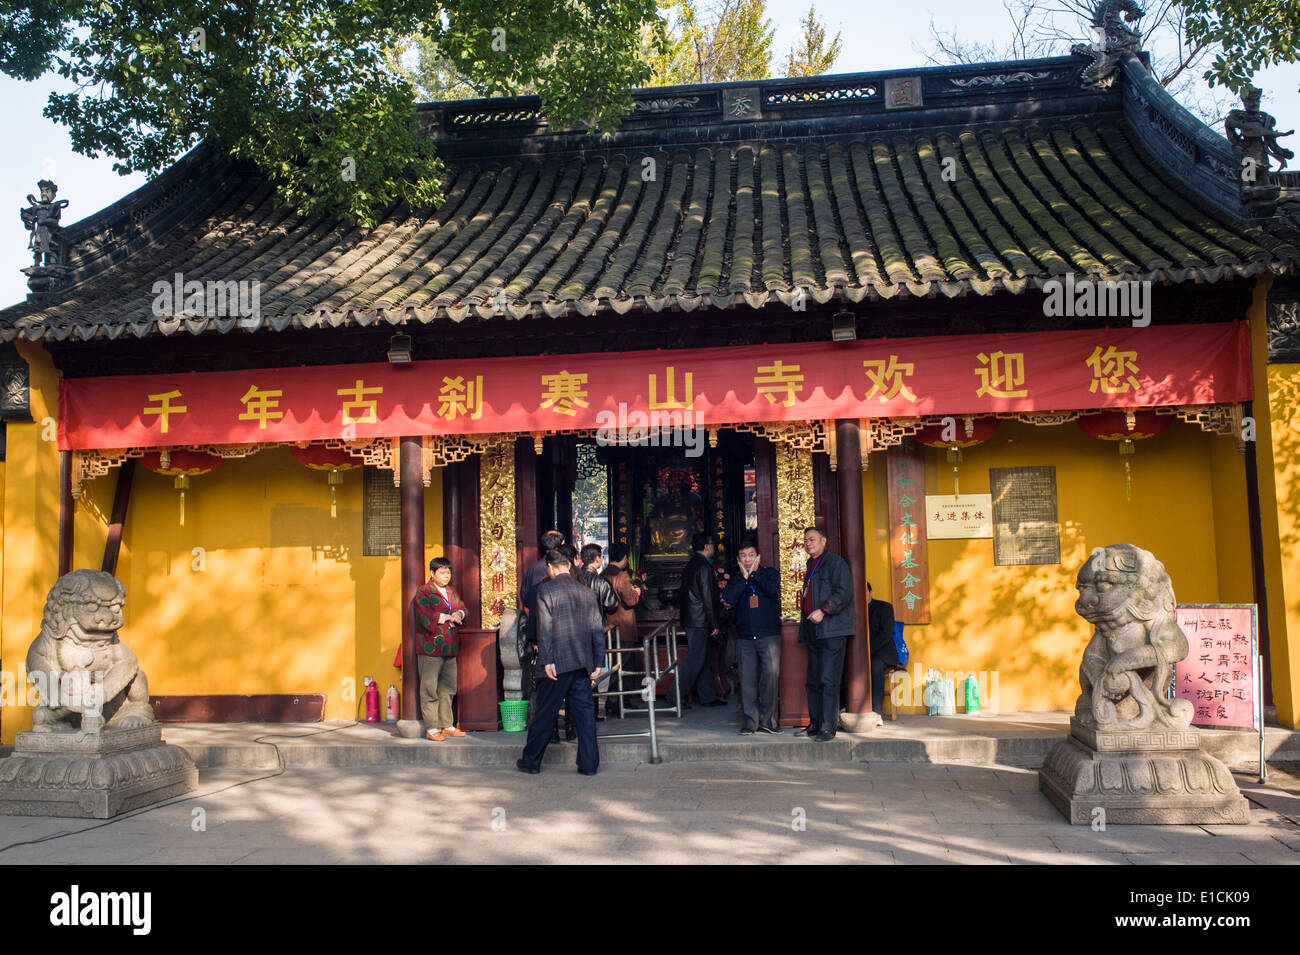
x=77, y=663
x=1126, y=594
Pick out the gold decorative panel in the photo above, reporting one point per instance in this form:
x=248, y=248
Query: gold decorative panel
x=794, y=512
x=497, y=552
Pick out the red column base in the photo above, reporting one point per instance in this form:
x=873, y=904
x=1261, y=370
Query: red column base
x=476, y=681
x=794, y=677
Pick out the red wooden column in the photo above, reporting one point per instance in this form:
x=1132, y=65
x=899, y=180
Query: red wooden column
x=857, y=657
x=461, y=535
x=117, y=522
x=67, y=512
x=411, y=479
x=526, y=506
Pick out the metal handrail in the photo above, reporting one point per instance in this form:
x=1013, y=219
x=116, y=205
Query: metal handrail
x=650, y=655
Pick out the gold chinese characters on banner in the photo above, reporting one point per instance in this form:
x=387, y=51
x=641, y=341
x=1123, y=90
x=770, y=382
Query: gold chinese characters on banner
x=795, y=511
x=497, y=551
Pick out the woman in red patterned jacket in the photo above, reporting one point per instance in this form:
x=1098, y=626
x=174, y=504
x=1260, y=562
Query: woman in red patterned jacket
x=439, y=612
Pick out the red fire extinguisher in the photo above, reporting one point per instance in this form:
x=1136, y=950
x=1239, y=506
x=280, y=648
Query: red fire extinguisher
x=372, y=701
x=392, y=703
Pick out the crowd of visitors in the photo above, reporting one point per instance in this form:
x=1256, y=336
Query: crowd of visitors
x=571, y=601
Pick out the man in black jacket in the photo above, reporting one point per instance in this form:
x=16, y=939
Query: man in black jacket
x=606, y=599
x=880, y=633
x=570, y=654
x=701, y=616
x=756, y=594
x=826, y=624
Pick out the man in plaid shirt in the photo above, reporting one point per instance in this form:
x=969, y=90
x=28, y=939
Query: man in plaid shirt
x=571, y=654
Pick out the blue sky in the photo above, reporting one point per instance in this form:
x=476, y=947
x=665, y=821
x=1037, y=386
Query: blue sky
x=40, y=148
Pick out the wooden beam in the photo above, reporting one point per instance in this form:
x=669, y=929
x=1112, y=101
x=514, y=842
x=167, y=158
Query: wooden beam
x=67, y=512
x=826, y=504
x=1257, y=561
x=848, y=470
x=411, y=477
x=467, y=538
x=765, y=496
x=121, y=498
x=526, y=505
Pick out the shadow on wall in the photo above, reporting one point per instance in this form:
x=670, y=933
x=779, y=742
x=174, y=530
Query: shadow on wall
x=261, y=591
x=1019, y=621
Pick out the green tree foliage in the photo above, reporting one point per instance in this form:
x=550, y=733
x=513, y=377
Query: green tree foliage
x=307, y=89
x=733, y=41
x=1249, y=34
x=432, y=76
x=810, y=56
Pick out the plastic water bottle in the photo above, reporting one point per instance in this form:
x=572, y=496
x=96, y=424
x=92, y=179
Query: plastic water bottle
x=972, y=694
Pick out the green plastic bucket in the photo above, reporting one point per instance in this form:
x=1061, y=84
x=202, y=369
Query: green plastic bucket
x=514, y=715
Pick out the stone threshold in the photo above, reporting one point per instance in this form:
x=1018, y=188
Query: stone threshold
x=1011, y=739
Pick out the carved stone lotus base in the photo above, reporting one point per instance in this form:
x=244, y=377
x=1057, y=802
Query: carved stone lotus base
x=1146, y=777
x=93, y=775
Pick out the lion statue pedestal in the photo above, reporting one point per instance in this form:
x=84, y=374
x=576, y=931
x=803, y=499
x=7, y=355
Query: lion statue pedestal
x=1132, y=756
x=95, y=750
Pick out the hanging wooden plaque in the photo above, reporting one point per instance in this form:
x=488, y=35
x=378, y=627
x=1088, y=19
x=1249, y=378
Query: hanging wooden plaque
x=909, y=561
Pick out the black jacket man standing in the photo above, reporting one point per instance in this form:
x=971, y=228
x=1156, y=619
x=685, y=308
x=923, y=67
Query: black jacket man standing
x=826, y=622
x=701, y=615
x=570, y=654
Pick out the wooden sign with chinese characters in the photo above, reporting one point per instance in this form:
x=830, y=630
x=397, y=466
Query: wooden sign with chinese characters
x=1218, y=677
x=795, y=511
x=626, y=394
x=909, y=561
x=958, y=516
x=497, y=535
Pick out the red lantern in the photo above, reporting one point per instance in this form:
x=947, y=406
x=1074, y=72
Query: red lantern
x=318, y=457
x=964, y=432
x=1125, y=427
x=181, y=465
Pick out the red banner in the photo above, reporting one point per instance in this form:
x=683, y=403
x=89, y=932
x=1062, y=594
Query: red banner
x=907, y=377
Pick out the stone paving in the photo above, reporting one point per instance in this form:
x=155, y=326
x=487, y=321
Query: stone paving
x=698, y=812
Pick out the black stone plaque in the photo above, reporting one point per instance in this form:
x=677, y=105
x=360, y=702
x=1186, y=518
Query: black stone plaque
x=381, y=517
x=1025, y=526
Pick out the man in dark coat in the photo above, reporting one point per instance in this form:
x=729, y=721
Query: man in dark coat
x=756, y=594
x=536, y=573
x=825, y=626
x=571, y=653
x=607, y=600
x=884, y=654
x=701, y=617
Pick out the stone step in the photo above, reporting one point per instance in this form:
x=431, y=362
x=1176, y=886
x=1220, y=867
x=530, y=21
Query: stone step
x=1021, y=740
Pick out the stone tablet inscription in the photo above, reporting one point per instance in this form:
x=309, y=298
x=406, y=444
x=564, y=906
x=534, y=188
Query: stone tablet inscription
x=1025, y=526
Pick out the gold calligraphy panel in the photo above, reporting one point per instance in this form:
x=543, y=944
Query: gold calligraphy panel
x=794, y=511
x=497, y=552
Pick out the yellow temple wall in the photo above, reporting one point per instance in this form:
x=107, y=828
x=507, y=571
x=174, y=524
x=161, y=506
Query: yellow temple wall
x=278, y=598
x=1018, y=622
x=1281, y=509
x=1277, y=422
x=30, y=556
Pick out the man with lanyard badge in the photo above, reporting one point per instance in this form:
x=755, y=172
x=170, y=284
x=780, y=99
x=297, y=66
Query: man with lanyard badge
x=825, y=625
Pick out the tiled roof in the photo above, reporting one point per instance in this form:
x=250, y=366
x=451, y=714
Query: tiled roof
x=846, y=216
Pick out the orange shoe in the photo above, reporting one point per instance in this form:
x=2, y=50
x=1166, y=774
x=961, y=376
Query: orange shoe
x=453, y=731
x=434, y=735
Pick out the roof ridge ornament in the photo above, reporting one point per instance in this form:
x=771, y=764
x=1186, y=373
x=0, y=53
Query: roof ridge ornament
x=1112, y=38
x=41, y=219
x=1253, y=134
